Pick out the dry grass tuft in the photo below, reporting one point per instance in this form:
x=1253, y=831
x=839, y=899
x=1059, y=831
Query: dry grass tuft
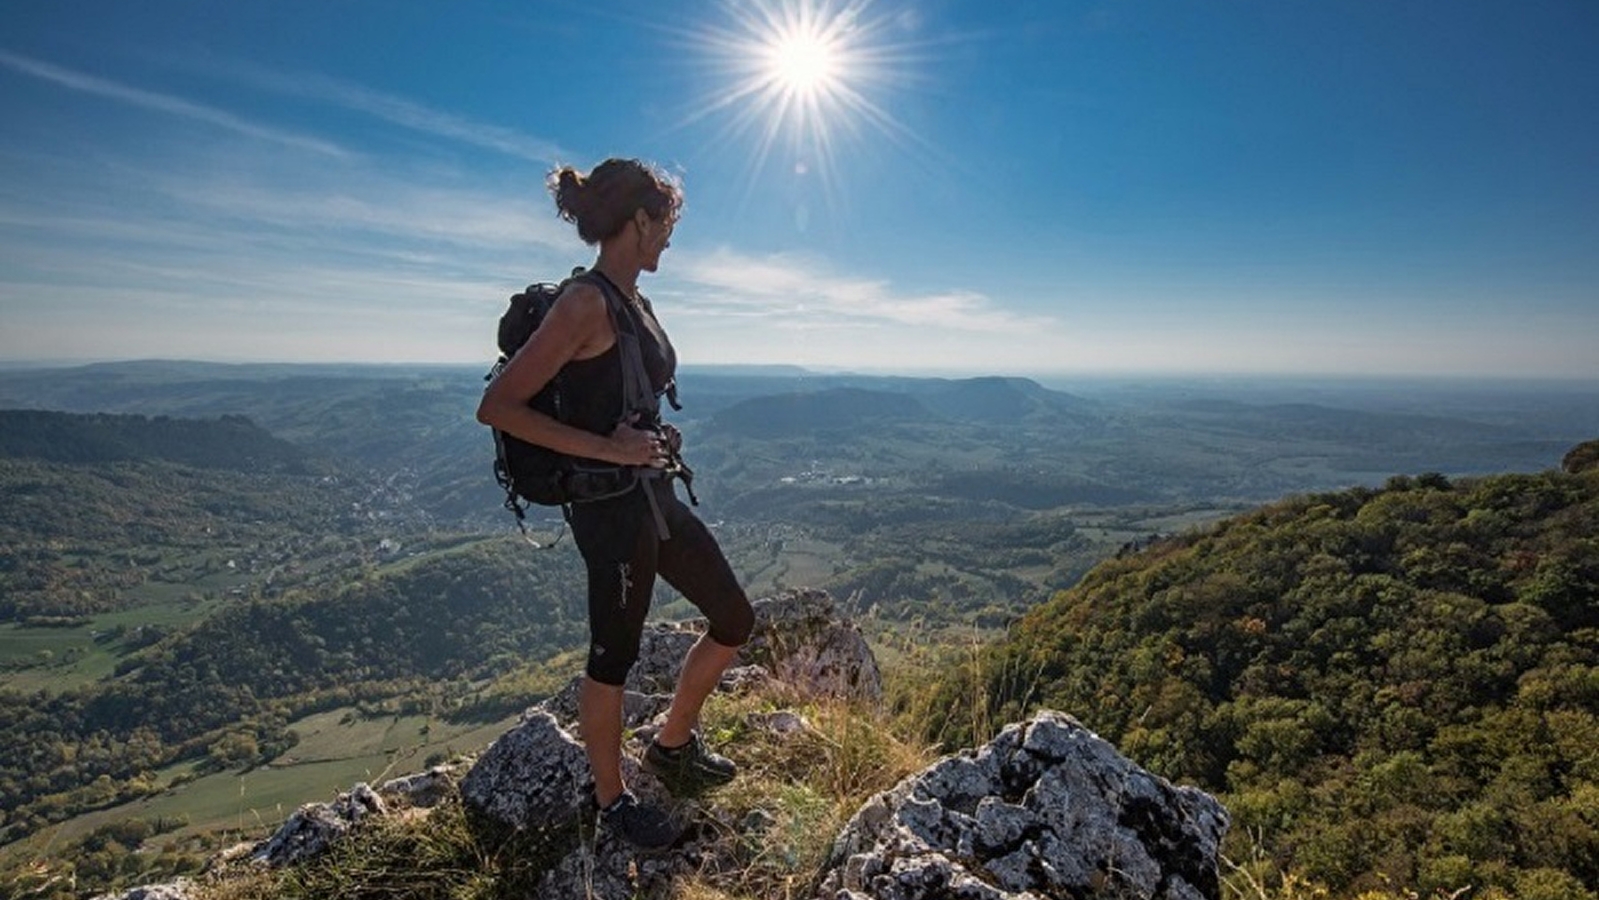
x=794, y=792
x=768, y=833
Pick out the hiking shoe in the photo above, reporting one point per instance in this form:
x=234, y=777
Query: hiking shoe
x=642, y=826
x=689, y=768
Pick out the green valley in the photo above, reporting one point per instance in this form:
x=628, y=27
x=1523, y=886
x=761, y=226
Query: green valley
x=225, y=591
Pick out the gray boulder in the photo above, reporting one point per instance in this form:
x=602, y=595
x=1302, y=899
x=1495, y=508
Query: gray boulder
x=1048, y=809
x=421, y=790
x=314, y=826
x=799, y=640
x=533, y=776
x=181, y=889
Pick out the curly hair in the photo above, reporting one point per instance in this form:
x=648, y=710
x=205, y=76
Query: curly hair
x=602, y=202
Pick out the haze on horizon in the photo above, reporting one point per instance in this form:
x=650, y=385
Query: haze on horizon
x=1354, y=188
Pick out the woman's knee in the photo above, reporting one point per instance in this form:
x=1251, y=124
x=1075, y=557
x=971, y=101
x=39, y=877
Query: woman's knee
x=734, y=622
x=610, y=665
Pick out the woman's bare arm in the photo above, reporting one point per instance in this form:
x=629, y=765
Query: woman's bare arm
x=576, y=327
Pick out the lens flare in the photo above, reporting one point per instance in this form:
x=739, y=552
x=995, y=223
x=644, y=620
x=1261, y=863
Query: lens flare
x=803, y=76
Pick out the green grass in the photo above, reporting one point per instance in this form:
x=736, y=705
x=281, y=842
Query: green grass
x=76, y=658
x=330, y=758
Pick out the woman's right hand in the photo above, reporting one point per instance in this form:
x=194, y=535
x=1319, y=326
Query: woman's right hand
x=635, y=447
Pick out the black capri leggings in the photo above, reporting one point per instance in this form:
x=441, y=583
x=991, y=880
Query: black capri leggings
x=623, y=554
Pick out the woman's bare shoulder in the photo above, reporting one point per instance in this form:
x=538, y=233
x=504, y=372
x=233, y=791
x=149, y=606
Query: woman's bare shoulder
x=581, y=299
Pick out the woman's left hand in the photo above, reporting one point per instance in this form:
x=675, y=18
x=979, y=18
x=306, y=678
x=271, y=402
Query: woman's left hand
x=635, y=447
x=671, y=439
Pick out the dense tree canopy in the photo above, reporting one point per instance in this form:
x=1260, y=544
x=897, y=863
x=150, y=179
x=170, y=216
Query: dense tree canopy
x=232, y=680
x=228, y=442
x=1397, y=684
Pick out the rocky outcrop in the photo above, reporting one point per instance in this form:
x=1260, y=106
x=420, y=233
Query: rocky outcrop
x=799, y=640
x=182, y=889
x=1048, y=809
x=534, y=776
x=316, y=825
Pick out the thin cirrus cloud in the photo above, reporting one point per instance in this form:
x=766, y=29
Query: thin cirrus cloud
x=166, y=103
x=394, y=110
x=380, y=208
x=788, y=286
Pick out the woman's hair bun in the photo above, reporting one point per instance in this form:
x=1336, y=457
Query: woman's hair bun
x=602, y=202
x=570, y=190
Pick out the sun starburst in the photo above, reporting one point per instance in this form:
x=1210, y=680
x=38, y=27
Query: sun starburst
x=802, y=76
x=804, y=64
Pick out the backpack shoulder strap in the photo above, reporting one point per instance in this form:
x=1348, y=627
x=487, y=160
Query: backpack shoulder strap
x=637, y=394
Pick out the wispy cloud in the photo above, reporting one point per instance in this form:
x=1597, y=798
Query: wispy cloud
x=251, y=204
x=399, y=111
x=165, y=103
x=380, y=207
x=786, y=286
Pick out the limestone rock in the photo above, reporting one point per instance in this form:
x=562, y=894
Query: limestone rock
x=182, y=889
x=422, y=790
x=316, y=825
x=536, y=777
x=1048, y=809
x=533, y=776
x=799, y=640
x=638, y=707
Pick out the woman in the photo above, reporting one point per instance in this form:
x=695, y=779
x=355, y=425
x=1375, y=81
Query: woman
x=628, y=209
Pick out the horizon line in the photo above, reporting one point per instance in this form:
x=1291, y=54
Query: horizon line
x=40, y=365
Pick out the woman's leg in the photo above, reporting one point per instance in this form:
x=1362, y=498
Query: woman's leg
x=693, y=563
x=619, y=553
x=599, y=717
x=702, y=669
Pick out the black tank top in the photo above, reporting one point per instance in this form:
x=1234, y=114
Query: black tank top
x=592, y=388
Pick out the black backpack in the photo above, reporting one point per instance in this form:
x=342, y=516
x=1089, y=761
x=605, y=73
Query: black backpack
x=530, y=473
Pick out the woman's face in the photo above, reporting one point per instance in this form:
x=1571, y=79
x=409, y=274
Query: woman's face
x=655, y=235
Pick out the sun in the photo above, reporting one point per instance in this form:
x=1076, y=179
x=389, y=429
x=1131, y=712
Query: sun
x=804, y=64
x=803, y=76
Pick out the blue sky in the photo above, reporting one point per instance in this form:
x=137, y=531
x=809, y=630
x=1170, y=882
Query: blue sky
x=1281, y=186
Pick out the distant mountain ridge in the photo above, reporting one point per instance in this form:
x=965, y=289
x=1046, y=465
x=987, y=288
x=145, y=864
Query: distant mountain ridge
x=828, y=406
x=1003, y=399
x=830, y=409
x=229, y=442
x=748, y=427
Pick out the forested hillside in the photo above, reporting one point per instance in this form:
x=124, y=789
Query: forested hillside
x=1393, y=686
x=229, y=442
x=226, y=687
x=181, y=590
